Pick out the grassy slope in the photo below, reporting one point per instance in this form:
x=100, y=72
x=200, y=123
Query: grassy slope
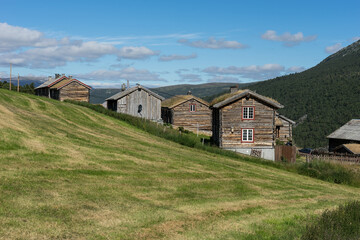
x=69, y=172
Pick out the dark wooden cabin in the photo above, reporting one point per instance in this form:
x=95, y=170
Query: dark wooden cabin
x=244, y=121
x=137, y=101
x=63, y=88
x=348, y=133
x=187, y=111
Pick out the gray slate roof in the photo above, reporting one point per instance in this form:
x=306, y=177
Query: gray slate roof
x=244, y=94
x=349, y=131
x=130, y=90
x=47, y=83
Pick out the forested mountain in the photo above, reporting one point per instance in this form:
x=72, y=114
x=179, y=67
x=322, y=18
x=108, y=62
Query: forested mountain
x=328, y=94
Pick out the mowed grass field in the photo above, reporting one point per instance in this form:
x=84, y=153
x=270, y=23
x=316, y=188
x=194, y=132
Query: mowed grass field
x=67, y=172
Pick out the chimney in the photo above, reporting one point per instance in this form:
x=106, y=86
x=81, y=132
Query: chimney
x=128, y=84
x=49, y=78
x=189, y=92
x=234, y=89
x=70, y=76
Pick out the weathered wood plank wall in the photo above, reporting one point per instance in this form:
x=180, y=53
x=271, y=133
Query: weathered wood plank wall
x=150, y=105
x=182, y=116
x=231, y=123
x=74, y=91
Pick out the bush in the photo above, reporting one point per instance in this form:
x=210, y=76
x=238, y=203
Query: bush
x=341, y=223
x=327, y=171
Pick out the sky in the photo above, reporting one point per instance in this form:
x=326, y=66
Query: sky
x=159, y=43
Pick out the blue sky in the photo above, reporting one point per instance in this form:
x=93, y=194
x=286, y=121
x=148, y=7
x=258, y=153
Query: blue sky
x=158, y=43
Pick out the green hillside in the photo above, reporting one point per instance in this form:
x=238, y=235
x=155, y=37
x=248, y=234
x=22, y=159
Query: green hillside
x=68, y=172
x=329, y=94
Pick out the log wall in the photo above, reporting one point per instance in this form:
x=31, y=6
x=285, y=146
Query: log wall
x=231, y=123
x=182, y=117
x=74, y=91
x=285, y=132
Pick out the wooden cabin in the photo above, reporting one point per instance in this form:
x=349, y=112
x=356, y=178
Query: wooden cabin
x=187, y=111
x=244, y=121
x=284, y=127
x=137, y=101
x=348, y=133
x=63, y=88
x=349, y=148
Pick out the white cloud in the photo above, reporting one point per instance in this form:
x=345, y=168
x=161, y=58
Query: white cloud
x=29, y=48
x=136, y=53
x=13, y=37
x=295, y=69
x=288, y=39
x=53, y=56
x=130, y=73
x=333, y=48
x=355, y=39
x=212, y=43
x=167, y=58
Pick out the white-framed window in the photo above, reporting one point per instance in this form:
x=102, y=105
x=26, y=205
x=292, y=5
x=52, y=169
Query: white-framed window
x=192, y=107
x=247, y=135
x=248, y=113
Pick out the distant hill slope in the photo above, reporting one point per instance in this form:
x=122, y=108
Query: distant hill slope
x=199, y=90
x=329, y=94
x=24, y=81
x=71, y=173
x=98, y=95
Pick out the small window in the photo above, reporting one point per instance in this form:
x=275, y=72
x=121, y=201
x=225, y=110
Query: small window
x=192, y=108
x=248, y=113
x=247, y=135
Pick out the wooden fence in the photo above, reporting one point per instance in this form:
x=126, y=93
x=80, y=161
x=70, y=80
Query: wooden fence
x=343, y=158
x=285, y=153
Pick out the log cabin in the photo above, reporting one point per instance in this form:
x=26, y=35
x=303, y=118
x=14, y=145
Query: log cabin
x=244, y=121
x=187, y=111
x=347, y=134
x=137, y=101
x=284, y=126
x=62, y=88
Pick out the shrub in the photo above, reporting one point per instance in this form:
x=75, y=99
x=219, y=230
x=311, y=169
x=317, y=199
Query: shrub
x=327, y=171
x=341, y=223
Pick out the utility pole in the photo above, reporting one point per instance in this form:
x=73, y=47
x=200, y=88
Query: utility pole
x=18, y=87
x=10, y=77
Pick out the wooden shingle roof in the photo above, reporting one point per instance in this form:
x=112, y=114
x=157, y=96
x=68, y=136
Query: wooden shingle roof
x=349, y=131
x=66, y=82
x=179, y=99
x=130, y=90
x=226, y=99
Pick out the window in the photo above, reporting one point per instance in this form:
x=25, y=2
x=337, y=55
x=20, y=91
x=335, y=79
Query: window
x=192, y=108
x=247, y=135
x=248, y=113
